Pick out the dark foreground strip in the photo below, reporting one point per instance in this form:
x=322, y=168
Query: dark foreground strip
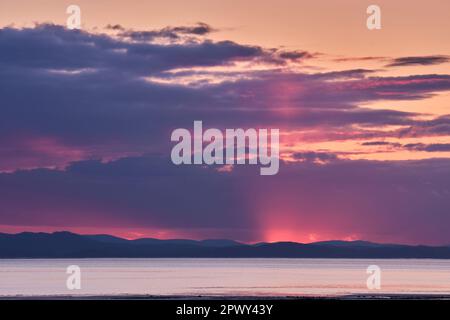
x=223, y=309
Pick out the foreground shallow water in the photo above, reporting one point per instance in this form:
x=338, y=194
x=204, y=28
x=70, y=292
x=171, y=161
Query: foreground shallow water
x=223, y=277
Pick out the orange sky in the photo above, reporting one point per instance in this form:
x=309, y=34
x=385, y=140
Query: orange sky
x=333, y=27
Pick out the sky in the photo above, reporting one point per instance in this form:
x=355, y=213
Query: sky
x=364, y=118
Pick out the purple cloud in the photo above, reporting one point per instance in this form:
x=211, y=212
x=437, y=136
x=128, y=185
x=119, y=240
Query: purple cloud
x=367, y=198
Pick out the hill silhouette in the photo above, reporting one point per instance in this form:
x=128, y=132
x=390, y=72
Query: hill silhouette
x=70, y=245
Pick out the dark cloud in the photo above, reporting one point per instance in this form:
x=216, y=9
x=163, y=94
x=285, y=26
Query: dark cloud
x=145, y=192
x=77, y=95
x=367, y=198
x=52, y=47
x=200, y=29
x=358, y=59
x=171, y=33
x=391, y=145
x=376, y=143
x=296, y=55
x=419, y=60
x=439, y=126
x=317, y=157
x=433, y=147
x=115, y=27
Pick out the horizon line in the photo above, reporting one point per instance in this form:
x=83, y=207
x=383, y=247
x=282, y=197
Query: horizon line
x=225, y=239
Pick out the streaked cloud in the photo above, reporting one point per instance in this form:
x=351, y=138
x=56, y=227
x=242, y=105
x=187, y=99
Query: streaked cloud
x=419, y=60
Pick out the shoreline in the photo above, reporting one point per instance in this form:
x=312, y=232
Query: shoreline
x=379, y=296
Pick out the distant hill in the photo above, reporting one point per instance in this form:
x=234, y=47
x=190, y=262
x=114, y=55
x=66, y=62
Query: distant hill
x=70, y=245
x=356, y=243
x=143, y=241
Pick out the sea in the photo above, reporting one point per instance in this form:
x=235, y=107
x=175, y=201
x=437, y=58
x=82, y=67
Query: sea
x=222, y=277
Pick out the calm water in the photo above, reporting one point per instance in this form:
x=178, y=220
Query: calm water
x=255, y=277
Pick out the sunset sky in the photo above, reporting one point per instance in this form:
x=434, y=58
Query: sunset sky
x=364, y=118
